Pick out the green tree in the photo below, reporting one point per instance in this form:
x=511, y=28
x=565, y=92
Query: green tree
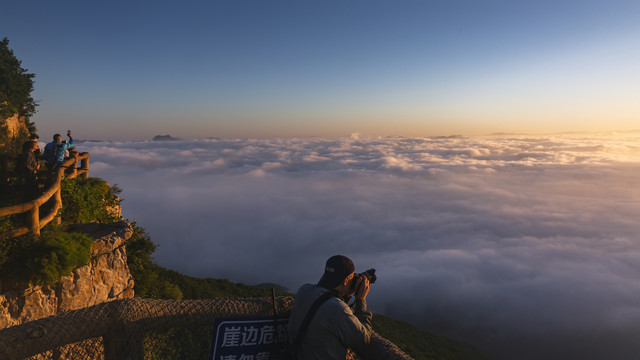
x=16, y=85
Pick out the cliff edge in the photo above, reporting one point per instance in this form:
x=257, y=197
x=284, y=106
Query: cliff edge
x=106, y=277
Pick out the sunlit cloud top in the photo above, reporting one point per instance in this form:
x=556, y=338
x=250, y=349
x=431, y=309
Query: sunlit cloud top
x=361, y=154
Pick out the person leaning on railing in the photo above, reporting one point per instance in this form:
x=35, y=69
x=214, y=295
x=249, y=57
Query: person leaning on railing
x=54, y=153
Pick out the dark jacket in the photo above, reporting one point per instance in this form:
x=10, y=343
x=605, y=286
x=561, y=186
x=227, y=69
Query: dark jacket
x=334, y=328
x=26, y=164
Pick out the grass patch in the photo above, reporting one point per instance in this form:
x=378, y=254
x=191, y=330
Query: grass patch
x=44, y=260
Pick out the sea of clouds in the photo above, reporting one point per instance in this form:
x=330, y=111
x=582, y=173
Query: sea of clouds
x=527, y=246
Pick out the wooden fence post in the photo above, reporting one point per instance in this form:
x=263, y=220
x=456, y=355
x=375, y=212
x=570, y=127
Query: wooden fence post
x=74, y=167
x=35, y=218
x=60, y=174
x=85, y=165
x=58, y=204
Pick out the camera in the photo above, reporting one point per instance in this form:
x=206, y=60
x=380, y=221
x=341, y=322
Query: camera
x=369, y=274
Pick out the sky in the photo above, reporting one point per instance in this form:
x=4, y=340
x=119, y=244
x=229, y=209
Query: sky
x=525, y=246
x=130, y=70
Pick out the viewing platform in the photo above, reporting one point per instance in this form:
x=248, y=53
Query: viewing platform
x=68, y=170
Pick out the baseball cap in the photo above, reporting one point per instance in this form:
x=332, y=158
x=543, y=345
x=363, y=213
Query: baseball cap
x=336, y=269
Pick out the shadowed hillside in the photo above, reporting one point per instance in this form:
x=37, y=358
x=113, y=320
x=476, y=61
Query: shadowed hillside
x=154, y=281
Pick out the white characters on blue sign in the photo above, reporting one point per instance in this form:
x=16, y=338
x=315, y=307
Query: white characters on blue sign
x=258, y=356
x=249, y=335
x=255, y=339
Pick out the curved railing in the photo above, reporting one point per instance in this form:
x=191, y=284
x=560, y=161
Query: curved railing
x=68, y=170
x=120, y=329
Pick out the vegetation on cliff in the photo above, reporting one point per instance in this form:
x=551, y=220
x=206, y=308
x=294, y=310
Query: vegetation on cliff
x=43, y=260
x=16, y=86
x=90, y=199
x=423, y=345
x=154, y=281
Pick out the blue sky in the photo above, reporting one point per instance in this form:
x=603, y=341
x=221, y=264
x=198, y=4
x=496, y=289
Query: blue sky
x=136, y=69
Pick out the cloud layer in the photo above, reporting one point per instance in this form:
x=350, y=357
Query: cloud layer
x=525, y=245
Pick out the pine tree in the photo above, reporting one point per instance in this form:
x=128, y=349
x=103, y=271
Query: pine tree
x=16, y=85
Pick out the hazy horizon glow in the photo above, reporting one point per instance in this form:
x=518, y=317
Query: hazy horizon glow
x=242, y=69
x=523, y=245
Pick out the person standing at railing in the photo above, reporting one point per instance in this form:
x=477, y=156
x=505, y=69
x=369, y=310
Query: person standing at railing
x=27, y=167
x=54, y=153
x=34, y=137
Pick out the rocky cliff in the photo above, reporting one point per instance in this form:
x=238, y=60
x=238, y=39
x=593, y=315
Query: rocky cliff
x=14, y=124
x=105, y=278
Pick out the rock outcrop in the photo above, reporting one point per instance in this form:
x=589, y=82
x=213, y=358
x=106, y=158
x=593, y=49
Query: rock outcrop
x=14, y=124
x=105, y=278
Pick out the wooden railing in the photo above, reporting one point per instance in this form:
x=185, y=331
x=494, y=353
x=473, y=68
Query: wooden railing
x=68, y=170
x=126, y=328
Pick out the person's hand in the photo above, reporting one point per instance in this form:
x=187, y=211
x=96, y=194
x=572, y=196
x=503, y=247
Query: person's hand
x=362, y=288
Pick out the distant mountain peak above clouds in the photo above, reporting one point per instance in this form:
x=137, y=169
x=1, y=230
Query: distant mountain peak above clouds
x=164, y=138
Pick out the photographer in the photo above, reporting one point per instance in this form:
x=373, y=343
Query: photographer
x=322, y=326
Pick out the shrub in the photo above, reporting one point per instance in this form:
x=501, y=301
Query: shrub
x=86, y=200
x=7, y=250
x=44, y=260
x=10, y=222
x=145, y=272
